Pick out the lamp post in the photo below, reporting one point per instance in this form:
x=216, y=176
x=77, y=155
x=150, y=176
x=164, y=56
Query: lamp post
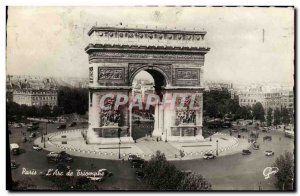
x=120, y=149
x=46, y=126
x=217, y=153
x=44, y=141
x=119, y=135
x=166, y=135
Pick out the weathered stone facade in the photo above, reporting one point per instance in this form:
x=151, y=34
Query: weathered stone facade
x=174, y=58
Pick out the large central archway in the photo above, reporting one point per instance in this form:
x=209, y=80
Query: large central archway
x=173, y=58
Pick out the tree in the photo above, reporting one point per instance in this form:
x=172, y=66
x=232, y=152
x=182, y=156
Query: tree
x=45, y=111
x=73, y=100
x=161, y=174
x=24, y=184
x=269, y=117
x=285, y=174
x=258, y=112
x=194, y=181
x=243, y=112
x=218, y=103
x=285, y=115
x=277, y=117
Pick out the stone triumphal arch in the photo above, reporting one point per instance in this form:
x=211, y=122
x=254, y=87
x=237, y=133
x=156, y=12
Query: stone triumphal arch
x=174, y=58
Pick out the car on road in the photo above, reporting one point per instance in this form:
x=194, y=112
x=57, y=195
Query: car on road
x=209, y=156
x=246, y=152
x=13, y=164
x=96, y=178
x=52, y=153
x=63, y=126
x=131, y=157
x=267, y=137
x=102, y=175
x=269, y=153
x=36, y=147
x=73, y=124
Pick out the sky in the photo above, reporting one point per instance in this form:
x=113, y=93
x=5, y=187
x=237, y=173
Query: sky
x=50, y=41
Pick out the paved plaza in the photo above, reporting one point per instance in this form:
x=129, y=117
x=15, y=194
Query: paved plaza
x=72, y=141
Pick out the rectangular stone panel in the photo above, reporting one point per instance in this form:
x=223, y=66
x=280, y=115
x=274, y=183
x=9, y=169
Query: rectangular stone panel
x=111, y=76
x=187, y=77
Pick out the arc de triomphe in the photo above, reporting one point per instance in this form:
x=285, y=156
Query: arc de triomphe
x=174, y=58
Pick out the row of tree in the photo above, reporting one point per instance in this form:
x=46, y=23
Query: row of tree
x=278, y=117
x=163, y=175
x=70, y=100
x=219, y=104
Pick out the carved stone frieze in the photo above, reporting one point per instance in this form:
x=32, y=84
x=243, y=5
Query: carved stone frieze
x=111, y=73
x=98, y=56
x=187, y=74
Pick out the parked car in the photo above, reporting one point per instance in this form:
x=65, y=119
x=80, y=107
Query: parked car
x=209, y=156
x=73, y=124
x=63, y=126
x=36, y=147
x=13, y=164
x=269, y=153
x=234, y=130
x=246, y=152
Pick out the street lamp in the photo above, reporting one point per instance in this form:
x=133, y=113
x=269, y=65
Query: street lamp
x=120, y=149
x=44, y=141
x=46, y=126
x=119, y=135
x=166, y=135
x=217, y=153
